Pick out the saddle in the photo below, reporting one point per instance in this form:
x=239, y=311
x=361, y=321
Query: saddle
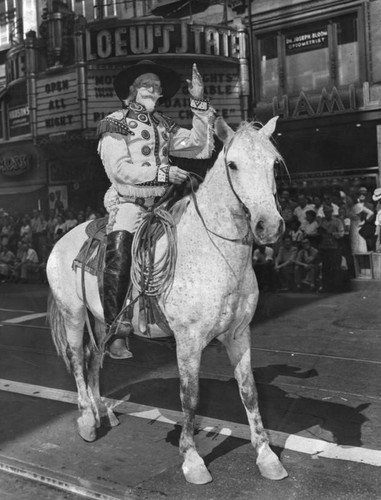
x=91, y=259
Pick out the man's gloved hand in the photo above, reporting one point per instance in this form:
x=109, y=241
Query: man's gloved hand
x=196, y=85
x=177, y=175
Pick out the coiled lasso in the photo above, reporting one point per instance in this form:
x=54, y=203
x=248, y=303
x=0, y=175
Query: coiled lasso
x=150, y=275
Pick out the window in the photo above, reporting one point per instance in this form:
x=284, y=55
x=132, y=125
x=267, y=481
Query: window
x=347, y=52
x=7, y=17
x=269, y=67
x=310, y=58
x=307, y=59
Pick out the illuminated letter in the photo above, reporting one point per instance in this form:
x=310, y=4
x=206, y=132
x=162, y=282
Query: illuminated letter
x=184, y=40
x=141, y=42
x=303, y=106
x=166, y=45
x=328, y=101
x=197, y=45
x=104, y=45
x=212, y=41
x=120, y=44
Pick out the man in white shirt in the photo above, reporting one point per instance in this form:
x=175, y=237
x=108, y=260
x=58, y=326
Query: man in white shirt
x=327, y=200
x=301, y=209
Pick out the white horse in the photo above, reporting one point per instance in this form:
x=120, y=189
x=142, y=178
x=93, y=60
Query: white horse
x=214, y=292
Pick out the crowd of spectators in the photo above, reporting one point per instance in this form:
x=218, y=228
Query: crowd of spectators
x=322, y=236
x=315, y=253
x=26, y=239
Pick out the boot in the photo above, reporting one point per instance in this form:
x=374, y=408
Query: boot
x=116, y=278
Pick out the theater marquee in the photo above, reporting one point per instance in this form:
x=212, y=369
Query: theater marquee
x=164, y=38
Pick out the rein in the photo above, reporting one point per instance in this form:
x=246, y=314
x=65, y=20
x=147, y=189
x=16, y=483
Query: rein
x=248, y=238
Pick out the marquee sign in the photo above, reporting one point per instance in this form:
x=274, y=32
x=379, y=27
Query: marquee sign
x=164, y=38
x=57, y=104
x=221, y=85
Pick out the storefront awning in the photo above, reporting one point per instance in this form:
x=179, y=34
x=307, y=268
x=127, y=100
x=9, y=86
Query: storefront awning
x=9, y=190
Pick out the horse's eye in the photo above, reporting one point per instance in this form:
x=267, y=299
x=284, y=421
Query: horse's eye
x=232, y=165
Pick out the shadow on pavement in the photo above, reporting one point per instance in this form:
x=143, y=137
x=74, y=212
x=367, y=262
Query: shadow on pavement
x=280, y=410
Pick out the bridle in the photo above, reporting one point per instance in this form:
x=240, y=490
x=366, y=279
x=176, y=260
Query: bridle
x=248, y=238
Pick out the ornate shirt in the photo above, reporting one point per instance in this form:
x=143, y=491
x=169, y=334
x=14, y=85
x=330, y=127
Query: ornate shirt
x=134, y=147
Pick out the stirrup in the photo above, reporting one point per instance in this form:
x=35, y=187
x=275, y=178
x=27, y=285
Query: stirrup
x=123, y=353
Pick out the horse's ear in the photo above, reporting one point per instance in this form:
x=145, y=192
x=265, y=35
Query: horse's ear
x=222, y=129
x=269, y=128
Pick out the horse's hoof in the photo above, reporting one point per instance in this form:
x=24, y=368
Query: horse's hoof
x=197, y=475
x=87, y=433
x=269, y=465
x=110, y=420
x=194, y=469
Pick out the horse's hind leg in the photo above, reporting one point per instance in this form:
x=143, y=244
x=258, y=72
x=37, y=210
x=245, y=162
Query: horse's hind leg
x=238, y=349
x=87, y=422
x=188, y=359
x=104, y=413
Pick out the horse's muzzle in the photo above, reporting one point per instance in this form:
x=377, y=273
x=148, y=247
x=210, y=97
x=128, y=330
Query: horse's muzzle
x=266, y=233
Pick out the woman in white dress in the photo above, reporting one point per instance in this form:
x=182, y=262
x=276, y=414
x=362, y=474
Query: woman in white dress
x=360, y=213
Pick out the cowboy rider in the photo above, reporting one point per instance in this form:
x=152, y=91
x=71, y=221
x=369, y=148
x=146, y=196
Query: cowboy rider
x=134, y=146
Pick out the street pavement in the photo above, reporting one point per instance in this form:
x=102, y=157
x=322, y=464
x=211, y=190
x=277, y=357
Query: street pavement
x=317, y=364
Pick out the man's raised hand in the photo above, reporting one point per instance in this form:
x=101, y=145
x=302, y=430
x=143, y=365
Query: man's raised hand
x=196, y=85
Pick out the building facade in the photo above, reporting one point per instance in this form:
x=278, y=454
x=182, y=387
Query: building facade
x=314, y=63
x=59, y=85
x=317, y=64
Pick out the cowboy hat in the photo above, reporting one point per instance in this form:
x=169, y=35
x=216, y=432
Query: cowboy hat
x=377, y=194
x=170, y=80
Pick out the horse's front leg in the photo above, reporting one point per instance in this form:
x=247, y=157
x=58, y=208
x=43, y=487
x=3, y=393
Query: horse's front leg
x=188, y=359
x=239, y=352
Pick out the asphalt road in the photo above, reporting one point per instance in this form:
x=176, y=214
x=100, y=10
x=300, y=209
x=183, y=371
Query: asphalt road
x=316, y=359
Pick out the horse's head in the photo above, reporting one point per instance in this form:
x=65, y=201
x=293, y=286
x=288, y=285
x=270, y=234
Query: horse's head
x=249, y=158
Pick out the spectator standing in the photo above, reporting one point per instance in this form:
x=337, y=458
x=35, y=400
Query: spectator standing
x=317, y=203
x=35, y=224
x=263, y=263
x=362, y=213
x=284, y=264
x=377, y=198
x=50, y=227
x=7, y=261
x=285, y=195
x=58, y=204
x=5, y=230
x=25, y=229
x=301, y=209
x=311, y=229
x=327, y=200
x=295, y=232
x=331, y=230
x=70, y=222
x=345, y=242
x=29, y=262
x=60, y=228
x=286, y=211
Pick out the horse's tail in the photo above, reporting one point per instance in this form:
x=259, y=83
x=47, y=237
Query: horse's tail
x=58, y=329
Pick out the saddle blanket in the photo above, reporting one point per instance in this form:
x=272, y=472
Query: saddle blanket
x=90, y=259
